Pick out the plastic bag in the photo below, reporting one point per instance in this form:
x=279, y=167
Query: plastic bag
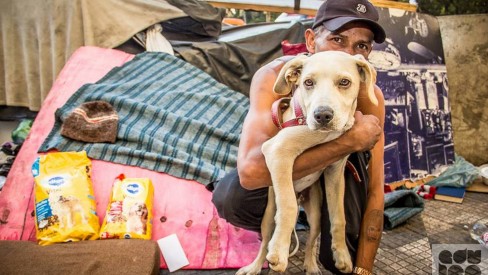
x=460, y=174
x=65, y=208
x=129, y=211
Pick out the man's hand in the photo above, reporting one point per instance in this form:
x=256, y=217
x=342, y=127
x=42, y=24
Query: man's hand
x=365, y=132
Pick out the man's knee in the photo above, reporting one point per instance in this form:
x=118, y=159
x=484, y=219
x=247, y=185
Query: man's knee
x=240, y=207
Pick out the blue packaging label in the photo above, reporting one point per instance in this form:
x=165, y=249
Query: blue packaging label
x=35, y=168
x=43, y=210
x=134, y=188
x=56, y=181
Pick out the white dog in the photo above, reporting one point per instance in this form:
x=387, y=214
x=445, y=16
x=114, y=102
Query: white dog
x=326, y=86
x=137, y=218
x=66, y=208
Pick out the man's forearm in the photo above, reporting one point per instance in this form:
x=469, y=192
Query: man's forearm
x=363, y=136
x=318, y=158
x=370, y=238
x=252, y=166
x=312, y=160
x=372, y=223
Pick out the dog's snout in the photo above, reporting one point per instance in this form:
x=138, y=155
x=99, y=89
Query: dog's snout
x=323, y=115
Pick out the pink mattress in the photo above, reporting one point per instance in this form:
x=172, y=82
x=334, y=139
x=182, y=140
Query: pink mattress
x=180, y=206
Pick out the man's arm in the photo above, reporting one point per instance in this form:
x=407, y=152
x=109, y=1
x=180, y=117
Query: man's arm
x=258, y=128
x=372, y=223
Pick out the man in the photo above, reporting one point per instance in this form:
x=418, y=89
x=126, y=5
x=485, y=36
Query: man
x=240, y=197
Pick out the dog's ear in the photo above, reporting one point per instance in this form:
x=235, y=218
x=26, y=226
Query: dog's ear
x=368, y=76
x=289, y=75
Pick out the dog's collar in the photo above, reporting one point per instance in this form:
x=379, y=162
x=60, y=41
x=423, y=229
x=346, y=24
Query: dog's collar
x=281, y=105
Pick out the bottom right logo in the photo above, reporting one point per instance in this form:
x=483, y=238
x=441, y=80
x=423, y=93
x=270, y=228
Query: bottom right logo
x=456, y=259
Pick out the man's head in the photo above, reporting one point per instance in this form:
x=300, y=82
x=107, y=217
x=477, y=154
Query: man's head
x=354, y=23
x=335, y=14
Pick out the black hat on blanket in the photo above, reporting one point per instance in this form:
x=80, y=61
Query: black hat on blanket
x=94, y=121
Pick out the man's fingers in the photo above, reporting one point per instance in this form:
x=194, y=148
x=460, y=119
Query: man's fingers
x=377, y=120
x=358, y=115
x=372, y=118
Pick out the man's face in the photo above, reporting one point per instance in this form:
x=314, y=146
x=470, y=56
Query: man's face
x=353, y=38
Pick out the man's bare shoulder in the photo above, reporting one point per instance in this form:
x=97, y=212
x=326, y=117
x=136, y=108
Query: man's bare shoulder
x=379, y=96
x=285, y=58
x=276, y=64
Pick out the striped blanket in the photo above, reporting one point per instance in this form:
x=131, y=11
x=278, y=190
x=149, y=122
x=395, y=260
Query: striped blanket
x=173, y=118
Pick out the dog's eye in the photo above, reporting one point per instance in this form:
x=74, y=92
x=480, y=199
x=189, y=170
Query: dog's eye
x=308, y=83
x=344, y=82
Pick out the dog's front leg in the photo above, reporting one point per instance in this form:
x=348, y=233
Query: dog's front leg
x=70, y=219
x=335, y=186
x=267, y=227
x=83, y=216
x=280, y=164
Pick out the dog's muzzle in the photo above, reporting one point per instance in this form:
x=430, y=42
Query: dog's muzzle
x=323, y=115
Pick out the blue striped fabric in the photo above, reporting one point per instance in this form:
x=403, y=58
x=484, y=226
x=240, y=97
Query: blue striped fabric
x=173, y=118
x=401, y=205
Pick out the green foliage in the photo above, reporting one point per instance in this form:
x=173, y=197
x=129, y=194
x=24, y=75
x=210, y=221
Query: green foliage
x=250, y=16
x=451, y=7
x=433, y=7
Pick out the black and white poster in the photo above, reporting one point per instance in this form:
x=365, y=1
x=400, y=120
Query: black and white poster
x=412, y=75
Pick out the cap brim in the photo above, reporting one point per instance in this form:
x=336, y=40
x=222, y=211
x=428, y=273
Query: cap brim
x=337, y=23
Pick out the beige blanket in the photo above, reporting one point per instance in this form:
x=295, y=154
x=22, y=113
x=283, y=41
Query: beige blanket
x=38, y=37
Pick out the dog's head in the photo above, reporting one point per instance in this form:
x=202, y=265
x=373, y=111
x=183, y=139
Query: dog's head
x=55, y=195
x=139, y=209
x=329, y=83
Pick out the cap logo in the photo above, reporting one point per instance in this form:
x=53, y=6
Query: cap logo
x=361, y=8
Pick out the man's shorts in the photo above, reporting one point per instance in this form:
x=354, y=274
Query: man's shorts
x=245, y=208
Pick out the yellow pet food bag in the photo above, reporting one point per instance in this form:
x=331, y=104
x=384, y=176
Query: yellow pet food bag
x=129, y=211
x=65, y=206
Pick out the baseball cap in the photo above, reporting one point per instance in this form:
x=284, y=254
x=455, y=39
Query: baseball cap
x=333, y=14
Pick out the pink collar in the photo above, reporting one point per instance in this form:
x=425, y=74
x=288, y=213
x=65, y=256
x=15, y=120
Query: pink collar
x=281, y=105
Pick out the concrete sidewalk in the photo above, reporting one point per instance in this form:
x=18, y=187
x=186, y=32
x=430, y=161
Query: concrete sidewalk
x=407, y=248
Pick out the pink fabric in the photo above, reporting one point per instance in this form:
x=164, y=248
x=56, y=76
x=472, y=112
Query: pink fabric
x=180, y=206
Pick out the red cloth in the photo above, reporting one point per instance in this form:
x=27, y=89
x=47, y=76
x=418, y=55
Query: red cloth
x=426, y=191
x=180, y=206
x=293, y=49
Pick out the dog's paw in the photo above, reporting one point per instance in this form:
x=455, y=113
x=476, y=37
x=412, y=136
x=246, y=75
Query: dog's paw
x=343, y=260
x=277, y=261
x=311, y=268
x=251, y=269
x=278, y=253
x=315, y=272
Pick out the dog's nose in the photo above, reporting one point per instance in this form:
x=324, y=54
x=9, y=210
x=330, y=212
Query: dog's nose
x=323, y=115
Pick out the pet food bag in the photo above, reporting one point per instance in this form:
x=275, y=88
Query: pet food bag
x=65, y=207
x=129, y=211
